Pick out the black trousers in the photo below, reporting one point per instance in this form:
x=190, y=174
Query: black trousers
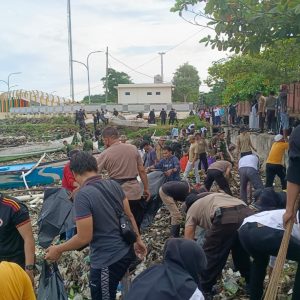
x=271, y=119
x=163, y=121
x=137, y=208
x=171, y=121
x=216, y=175
x=271, y=171
x=203, y=160
x=219, y=241
x=104, y=282
x=260, y=243
x=261, y=121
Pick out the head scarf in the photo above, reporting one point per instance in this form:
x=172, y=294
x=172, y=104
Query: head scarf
x=177, y=278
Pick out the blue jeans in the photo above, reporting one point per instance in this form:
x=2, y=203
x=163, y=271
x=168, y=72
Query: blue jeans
x=104, y=282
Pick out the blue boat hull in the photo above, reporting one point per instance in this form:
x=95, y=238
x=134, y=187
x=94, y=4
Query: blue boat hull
x=43, y=175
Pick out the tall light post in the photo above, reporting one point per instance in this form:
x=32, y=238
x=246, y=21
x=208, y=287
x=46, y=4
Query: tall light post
x=87, y=66
x=70, y=52
x=162, y=65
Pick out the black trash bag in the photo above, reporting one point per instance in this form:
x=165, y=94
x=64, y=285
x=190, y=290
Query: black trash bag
x=156, y=180
x=56, y=217
x=51, y=284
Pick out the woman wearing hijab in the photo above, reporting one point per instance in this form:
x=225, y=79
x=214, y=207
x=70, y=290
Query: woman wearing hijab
x=177, y=278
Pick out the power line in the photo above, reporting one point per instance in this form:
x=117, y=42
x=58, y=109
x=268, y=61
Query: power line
x=130, y=68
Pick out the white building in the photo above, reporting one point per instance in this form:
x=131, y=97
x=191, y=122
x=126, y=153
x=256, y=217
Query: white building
x=145, y=93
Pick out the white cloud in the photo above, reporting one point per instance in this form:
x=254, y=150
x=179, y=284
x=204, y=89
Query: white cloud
x=34, y=41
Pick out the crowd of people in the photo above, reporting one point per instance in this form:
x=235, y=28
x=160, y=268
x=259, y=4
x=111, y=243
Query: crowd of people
x=109, y=213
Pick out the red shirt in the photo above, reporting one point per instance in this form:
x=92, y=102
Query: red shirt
x=68, y=178
x=183, y=162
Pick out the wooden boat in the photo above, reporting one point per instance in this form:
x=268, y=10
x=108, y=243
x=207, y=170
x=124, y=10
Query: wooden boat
x=31, y=174
x=14, y=153
x=116, y=121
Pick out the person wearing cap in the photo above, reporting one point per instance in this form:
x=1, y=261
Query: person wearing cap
x=219, y=171
x=220, y=215
x=293, y=178
x=275, y=162
x=243, y=142
x=261, y=235
x=193, y=162
x=249, y=172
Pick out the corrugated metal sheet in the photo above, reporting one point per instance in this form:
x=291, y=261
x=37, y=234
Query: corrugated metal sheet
x=293, y=99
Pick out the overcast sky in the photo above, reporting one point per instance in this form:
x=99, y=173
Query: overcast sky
x=34, y=41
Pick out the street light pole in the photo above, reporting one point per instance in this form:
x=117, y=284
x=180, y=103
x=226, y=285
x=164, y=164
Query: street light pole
x=70, y=52
x=88, y=71
x=162, y=65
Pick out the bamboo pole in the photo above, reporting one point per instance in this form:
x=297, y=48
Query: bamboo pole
x=273, y=285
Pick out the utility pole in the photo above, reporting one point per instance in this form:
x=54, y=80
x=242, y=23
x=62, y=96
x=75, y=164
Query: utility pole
x=162, y=65
x=70, y=52
x=106, y=77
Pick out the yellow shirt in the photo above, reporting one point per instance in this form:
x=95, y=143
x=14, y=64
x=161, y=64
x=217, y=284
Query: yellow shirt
x=276, y=154
x=14, y=283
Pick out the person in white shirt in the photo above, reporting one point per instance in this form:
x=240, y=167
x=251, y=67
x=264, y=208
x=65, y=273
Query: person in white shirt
x=261, y=235
x=249, y=171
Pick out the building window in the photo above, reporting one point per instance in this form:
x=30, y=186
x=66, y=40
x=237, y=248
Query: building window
x=157, y=93
x=127, y=93
x=149, y=93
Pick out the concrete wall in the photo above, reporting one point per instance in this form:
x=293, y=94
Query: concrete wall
x=262, y=142
x=129, y=108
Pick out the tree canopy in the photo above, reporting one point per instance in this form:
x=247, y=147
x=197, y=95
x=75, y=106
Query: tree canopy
x=243, y=75
x=187, y=83
x=94, y=99
x=114, y=78
x=246, y=26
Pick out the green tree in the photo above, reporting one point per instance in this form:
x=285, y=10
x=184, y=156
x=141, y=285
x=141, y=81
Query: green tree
x=187, y=83
x=94, y=99
x=246, y=26
x=114, y=78
x=243, y=75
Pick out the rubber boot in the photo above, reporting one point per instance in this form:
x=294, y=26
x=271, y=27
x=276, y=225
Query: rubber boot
x=174, y=232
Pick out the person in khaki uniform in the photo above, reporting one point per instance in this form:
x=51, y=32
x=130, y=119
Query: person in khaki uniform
x=261, y=111
x=159, y=148
x=193, y=163
x=170, y=193
x=123, y=164
x=202, y=147
x=244, y=144
x=220, y=215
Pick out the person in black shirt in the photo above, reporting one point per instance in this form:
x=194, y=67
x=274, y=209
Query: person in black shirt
x=172, y=116
x=293, y=177
x=98, y=116
x=98, y=204
x=163, y=116
x=16, y=237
